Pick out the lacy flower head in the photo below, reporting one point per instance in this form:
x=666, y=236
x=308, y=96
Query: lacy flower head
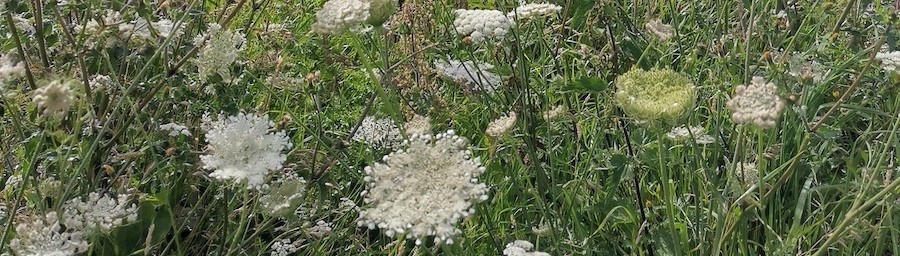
x=890, y=61
x=101, y=213
x=531, y=11
x=337, y=16
x=481, y=24
x=55, y=98
x=684, y=133
x=756, y=103
x=241, y=148
x=655, y=94
x=501, y=125
x=475, y=76
x=284, y=196
x=659, y=29
x=218, y=53
x=379, y=133
x=43, y=235
x=522, y=248
x=417, y=125
x=423, y=190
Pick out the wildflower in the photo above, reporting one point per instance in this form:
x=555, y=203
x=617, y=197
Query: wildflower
x=659, y=29
x=684, y=133
x=756, y=103
x=522, y=248
x=142, y=31
x=242, y=148
x=219, y=52
x=890, y=61
x=10, y=69
x=655, y=94
x=175, y=129
x=45, y=236
x=282, y=198
x=379, y=133
x=747, y=173
x=554, y=112
x=501, y=125
x=476, y=76
x=529, y=11
x=55, y=98
x=481, y=24
x=417, y=125
x=101, y=83
x=800, y=67
x=285, y=247
x=103, y=213
x=321, y=229
x=423, y=190
x=336, y=16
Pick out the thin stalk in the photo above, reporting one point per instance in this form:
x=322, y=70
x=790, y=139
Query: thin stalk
x=37, y=10
x=15, y=36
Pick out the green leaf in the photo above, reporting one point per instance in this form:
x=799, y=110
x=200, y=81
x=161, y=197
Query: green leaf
x=587, y=84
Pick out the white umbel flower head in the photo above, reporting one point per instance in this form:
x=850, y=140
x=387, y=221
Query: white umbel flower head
x=530, y=11
x=554, y=112
x=522, y=248
x=424, y=190
x=44, y=236
x=757, y=103
x=501, y=125
x=417, y=125
x=481, y=24
x=475, y=76
x=219, y=52
x=103, y=213
x=684, y=133
x=242, y=148
x=337, y=16
x=890, y=61
x=55, y=98
x=379, y=133
x=175, y=129
x=747, y=173
x=659, y=29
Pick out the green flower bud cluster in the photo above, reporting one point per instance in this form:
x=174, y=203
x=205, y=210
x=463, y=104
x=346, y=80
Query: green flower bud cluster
x=658, y=94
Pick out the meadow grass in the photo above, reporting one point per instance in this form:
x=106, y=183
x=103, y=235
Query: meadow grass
x=592, y=181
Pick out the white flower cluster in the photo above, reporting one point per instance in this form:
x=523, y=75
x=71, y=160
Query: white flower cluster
x=481, y=24
x=10, y=69
x=321, y=229
x=684, y=133
x=529, y=11
x=417, y=125
x=140, y=30
x=285, y=247
x=337, y=16
x=501, y=125
x=101, y=83
x=890, y=61
x=423, y=190
x=242, y=148
x=746, y=173
x=379, y=133
x=522, y=248
x=45, y=236
x=803, y=68
x=103, y=213
x=659, y=29
x=219, y=52
x=476, y=76
x=757, y=103
x=175, y=129
x=554, y=112
x=55, y=98
x=284, y=196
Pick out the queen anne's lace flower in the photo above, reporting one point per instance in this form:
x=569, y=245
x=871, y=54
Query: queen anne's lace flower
x=684, y=133
x=379, y=133
x=890, y=61
x=175, y=129
x=530, y=11
x=285, y=247
x=283, y=197
x=746, y=173
x=417, y=125
x=522, y=248
x=337, y=16
x=423, y=190
x=55, y=98
x=481, y=24
x=242, y=148
x=501, y=125
x=553, y=113
x=102, y=213
x=476, y=76
x=757, y=103
x=659, y=29
x=655, y=94
x=9, y=69
x=45, y=236
x=219, y=52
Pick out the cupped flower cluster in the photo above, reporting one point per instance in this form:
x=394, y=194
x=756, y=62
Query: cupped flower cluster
x=44, y=235
x=475, y=76
x=531, y=11
x=522, y=248
x=99, y=212
x=282, y=198
x=241, y=148
x=423, y=190
x=378, y=133
x=55, y=98
x=684, y=133
x=482, y=24
x=501, y=125
x=658, y=94
x=890, y=61
x=756, y=103
x=337, y=16
x=220, y=50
